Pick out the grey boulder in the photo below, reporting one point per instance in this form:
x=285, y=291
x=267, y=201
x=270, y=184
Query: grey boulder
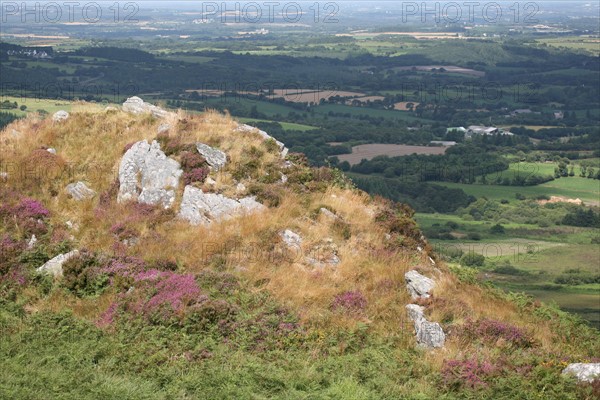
x=418, y=285
x=429, y=335
x=147, y=175
x=136, y=105
x=199, y=208
x=54, y=266
x=60, y=116
x=214, y=157
x=585, y=372
x=79, y=191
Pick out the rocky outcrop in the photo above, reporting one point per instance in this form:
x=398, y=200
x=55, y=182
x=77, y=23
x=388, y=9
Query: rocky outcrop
x=418, y=285
x=429, y=335
x=199, y=208
x=54, y=266
x=250, y=129
x=79, y=191
x=61, y=115
x=214, y=157
x=147, y=175
x=585, y=372
x=136, y=105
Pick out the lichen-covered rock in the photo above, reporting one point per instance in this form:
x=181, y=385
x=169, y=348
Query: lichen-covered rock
x=79, y=191
x=247, y=128
x=418, y=285
x=136, y=105
x=60, y=116
x=147, y=175
x=585, y=372
x=328, y=214
x=291, y=238
x=199, y=208
x=429, y=335
x=164, y=127
x=54, y=266
x=214, y=157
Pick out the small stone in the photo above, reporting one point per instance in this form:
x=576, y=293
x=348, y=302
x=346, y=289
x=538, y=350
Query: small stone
x=240, y=188
x=291, y=238
x=51, y=150
x=60, y=116
x=31, y=242
x=164, y=127
x=79, y=191
x=284, y=178
x=210, y=181
x=328, y=214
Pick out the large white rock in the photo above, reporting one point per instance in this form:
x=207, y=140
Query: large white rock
x=214, y=157
x=429, y=335
x=136, y=105
x=250, y=129
x=54, y=266
x=199, y=208
x=79, y=191
x=60, y=116
x=418, y=285
x=585, y=372
x=147, y=175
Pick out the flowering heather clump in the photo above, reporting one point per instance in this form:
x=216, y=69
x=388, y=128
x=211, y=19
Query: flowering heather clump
x=124, y=267
x=159, y=296
x=9, y=249
x=122, y=231
x=191, y=160
x=30, y=208
x=195, y=175
x=351, y=301
x=470, y=373
x=489, y=330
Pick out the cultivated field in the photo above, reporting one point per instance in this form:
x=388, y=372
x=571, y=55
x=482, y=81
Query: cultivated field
x=369, y=151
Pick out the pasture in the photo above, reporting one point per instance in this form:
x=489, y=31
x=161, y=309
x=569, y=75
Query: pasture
x=369, y=151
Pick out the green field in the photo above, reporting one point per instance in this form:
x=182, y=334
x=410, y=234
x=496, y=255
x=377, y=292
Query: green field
x=574, y=187
x=49, y=105
x=288, y=126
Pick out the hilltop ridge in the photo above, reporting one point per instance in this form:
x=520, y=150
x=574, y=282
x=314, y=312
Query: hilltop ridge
x=199, y=258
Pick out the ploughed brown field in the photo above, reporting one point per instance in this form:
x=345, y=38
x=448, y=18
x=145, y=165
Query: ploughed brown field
x=369, y=151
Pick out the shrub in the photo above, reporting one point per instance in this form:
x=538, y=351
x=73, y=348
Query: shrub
x=470, y=373
x=490, y=331
x=30, y=208
x=81, y=275
x=472, y=259
x=196, y=175
x=191, y=160
x=351, y=302
x=497, y=229
x=157, y=297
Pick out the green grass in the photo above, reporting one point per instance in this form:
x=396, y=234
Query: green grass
x=574, y=187
x=49, y=105
x=288, y=126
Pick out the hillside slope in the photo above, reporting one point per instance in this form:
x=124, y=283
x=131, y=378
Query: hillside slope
x=285, y=282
